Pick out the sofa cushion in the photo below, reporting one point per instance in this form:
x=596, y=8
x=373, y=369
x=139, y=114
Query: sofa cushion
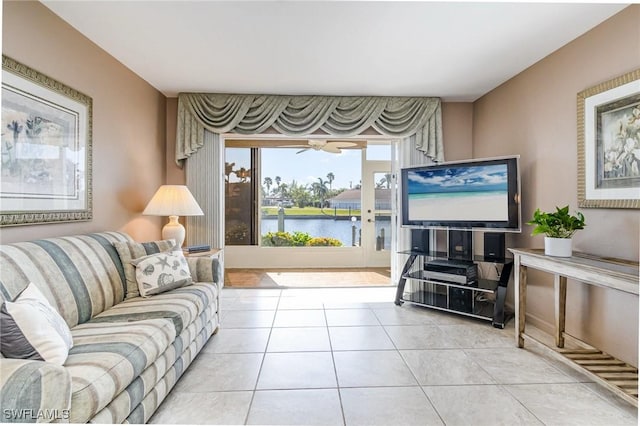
x=182, y=306
x=129, y=251
x=161, y=272
x=34, y=391
x=80, y=276
x=32, y=329
x=108, y=356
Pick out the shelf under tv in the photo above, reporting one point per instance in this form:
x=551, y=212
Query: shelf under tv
x=482, y=298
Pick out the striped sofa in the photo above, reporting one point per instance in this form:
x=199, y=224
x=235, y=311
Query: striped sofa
x=127, y=354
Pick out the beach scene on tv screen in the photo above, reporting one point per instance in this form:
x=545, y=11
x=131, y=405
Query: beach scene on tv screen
x=465, y=193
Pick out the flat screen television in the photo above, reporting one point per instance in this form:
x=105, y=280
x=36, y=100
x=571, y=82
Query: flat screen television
x=482, y=193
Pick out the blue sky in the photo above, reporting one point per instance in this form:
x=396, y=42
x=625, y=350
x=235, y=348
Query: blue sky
x=457, y=179
x=307, y=166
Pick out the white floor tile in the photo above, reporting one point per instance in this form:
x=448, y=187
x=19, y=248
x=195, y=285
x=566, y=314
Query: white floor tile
x=315, y=340
x=250, y=292
x=247, y=319
x=359, y=338
x=402, y=316
x=474, y=335
x=481, y=405
x=578, y=405
x=221, y=372
x=299, y=303
x=297, y=370
x=346, y=317
x=515, y=366
x=238, y=340
x=372, y=368
x=296, y=339
x=253, y=304
x=296, y=407
x=300, y=318
x=445, y=367
x=419, y=337
x=388, y=406
x=211, y=408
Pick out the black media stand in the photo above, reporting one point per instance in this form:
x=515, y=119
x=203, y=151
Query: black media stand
x=478, y=298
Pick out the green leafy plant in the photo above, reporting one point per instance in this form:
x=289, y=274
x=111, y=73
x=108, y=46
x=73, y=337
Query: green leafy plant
x=297, y=239
x=325, y=242
x=558, y=224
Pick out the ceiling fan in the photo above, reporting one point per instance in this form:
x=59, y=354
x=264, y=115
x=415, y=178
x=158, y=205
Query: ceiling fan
x=334, y=147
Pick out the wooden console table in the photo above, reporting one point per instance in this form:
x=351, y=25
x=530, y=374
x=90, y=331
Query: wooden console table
x=620, y=275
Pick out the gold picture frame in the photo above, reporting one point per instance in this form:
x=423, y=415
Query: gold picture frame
x=46, y=149
x=609, y=143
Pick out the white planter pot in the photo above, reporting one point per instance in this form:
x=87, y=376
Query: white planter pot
x=559, y=247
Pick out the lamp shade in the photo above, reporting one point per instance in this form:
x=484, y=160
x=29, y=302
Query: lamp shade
x=173, y=200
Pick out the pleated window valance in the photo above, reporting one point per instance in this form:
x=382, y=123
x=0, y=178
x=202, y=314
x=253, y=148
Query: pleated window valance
x=341, y=116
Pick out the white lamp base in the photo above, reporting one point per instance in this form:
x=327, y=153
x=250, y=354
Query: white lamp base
x=174, y=230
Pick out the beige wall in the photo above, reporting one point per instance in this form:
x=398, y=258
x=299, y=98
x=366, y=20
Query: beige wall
x=128, y=121
x=534, y=115
x=457, y=130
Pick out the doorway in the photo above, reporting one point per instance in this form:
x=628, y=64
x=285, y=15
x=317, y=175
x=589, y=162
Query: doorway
x=368, y=240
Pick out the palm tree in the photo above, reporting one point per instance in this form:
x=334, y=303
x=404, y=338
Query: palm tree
x=387, y=180
x=278, y=179
x=268, y=182
x=283, y=190
x=320, y=190
x=330, y=178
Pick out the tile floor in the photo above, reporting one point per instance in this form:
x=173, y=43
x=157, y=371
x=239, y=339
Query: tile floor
x=351, y=357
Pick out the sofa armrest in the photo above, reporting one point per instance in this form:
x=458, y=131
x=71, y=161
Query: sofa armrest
x=34, y=391
x=204, y=269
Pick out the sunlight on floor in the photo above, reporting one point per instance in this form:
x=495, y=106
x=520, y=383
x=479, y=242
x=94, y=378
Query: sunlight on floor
x=286, y=278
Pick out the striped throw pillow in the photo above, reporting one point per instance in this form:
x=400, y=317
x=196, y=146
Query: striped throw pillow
x=32, y=329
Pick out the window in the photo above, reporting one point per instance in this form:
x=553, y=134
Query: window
x=240, y=196
x=289, y=196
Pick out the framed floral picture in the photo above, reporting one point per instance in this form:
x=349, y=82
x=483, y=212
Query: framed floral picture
x=609, y=143
x=46, y=149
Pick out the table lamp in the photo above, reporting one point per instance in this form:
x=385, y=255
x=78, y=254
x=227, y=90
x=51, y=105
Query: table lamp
x=173, y=201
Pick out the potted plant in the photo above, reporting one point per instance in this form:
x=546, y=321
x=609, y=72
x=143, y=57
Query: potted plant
x=559, y=227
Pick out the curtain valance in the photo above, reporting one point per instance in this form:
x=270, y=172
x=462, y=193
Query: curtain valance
x=339, y=116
